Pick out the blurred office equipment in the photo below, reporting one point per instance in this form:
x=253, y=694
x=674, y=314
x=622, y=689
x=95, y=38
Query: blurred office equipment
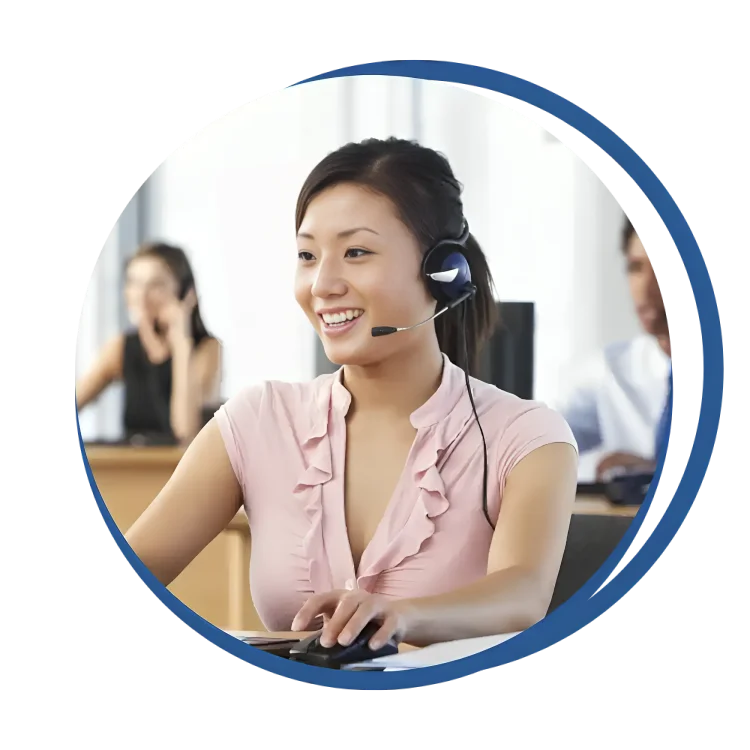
x=507, y=360
x=625, y=490
x=136, y=440
x=323, y=365
x=630, y=488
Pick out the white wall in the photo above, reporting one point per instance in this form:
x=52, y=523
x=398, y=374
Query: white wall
x=100, y=321
x=228, y=197
x=549, y=227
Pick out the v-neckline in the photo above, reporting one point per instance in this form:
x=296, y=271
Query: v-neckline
x=355, y=571
x=431, y=412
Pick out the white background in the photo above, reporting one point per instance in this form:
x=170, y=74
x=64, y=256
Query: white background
x=551, y=230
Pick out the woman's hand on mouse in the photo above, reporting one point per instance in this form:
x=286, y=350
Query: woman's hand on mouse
x=346, y=613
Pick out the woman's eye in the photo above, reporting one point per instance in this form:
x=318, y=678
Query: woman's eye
x=304, y=255
x=357, y=252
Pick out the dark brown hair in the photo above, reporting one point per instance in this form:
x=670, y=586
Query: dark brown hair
x=176, y=260
x=628, y=232
x=421, y=185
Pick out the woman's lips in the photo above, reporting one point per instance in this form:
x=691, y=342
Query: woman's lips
x=338, y=329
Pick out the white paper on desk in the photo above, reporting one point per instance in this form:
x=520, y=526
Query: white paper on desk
x=241, y=633
x=438, y=653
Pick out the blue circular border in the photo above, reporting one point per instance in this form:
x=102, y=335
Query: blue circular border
x=588, y=603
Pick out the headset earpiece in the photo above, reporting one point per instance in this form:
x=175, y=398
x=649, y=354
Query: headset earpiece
x=446, y=270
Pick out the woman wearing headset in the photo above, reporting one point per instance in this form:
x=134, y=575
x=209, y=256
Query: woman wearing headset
x=169, y=363
x=364, y=489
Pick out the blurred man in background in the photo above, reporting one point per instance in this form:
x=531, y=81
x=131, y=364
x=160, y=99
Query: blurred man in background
x=617, y=404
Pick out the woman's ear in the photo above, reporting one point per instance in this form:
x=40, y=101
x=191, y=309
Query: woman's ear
x=186, y=289
x=190, y=300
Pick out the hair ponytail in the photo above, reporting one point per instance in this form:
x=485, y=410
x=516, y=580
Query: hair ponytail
x=479, y=317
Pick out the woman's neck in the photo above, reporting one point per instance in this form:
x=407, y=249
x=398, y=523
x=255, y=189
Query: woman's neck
x=397, y=386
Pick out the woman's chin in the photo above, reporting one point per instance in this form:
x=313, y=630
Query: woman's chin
x=348, y=353
x=340, y=357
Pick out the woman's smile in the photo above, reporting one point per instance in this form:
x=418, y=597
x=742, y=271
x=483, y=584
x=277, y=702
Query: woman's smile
x=339, y=320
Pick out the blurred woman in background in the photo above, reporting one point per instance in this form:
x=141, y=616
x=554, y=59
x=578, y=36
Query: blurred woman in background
x=169, y=363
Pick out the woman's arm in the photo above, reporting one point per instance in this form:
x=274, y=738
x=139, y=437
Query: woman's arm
x=106, y=369
x=196, y=375
x=195, y=506
x=524, y=560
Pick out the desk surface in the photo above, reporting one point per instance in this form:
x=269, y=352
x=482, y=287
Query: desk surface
x=588, y=505
x=130, y=455
x=169, y=456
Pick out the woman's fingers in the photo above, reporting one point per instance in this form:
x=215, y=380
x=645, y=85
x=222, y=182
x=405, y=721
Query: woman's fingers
x=346, y=613
x=387, y=630
x=367, y=610
x=317, y=604
x=347, y=606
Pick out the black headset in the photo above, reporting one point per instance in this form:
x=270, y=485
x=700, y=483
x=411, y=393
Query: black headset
x=448, y=277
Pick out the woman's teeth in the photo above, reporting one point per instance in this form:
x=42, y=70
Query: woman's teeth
x=339, y=318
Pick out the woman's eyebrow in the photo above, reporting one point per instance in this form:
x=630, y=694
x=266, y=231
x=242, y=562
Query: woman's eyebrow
x=343, y=233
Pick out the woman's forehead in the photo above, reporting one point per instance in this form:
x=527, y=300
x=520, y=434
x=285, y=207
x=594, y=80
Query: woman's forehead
x=345, y=207
x=147, y=267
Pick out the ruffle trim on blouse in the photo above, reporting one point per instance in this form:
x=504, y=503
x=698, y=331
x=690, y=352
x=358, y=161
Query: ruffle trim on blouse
x=440, y=421
x=432, y=500
x=309, y=488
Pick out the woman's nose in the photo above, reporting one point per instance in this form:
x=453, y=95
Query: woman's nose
x=328, y=281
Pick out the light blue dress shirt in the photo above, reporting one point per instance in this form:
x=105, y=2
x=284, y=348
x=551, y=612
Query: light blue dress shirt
x=615, y=401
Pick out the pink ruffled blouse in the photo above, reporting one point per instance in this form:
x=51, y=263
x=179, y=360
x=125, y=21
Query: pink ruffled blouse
x=287, y=442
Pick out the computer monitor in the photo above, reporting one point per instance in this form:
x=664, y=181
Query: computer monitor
x=507, y=360
x=323, y=365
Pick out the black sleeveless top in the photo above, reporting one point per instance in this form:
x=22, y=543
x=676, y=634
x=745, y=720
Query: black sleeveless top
x=148, y=391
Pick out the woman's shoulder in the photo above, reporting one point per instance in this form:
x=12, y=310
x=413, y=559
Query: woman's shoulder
x=206, y=340
x=516, y=418
x=269, y=397
x=270, y=413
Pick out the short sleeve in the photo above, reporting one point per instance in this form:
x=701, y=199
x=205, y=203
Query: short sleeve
x=239, y=421
x=536, y=426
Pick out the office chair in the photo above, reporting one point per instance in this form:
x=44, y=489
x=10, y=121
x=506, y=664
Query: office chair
x=591, y=540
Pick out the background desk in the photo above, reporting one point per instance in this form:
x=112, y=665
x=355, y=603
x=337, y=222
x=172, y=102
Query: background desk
x=216, y=584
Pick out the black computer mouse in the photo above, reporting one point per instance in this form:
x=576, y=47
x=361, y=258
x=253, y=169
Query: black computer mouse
x=310, y=651
x=629, y=488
